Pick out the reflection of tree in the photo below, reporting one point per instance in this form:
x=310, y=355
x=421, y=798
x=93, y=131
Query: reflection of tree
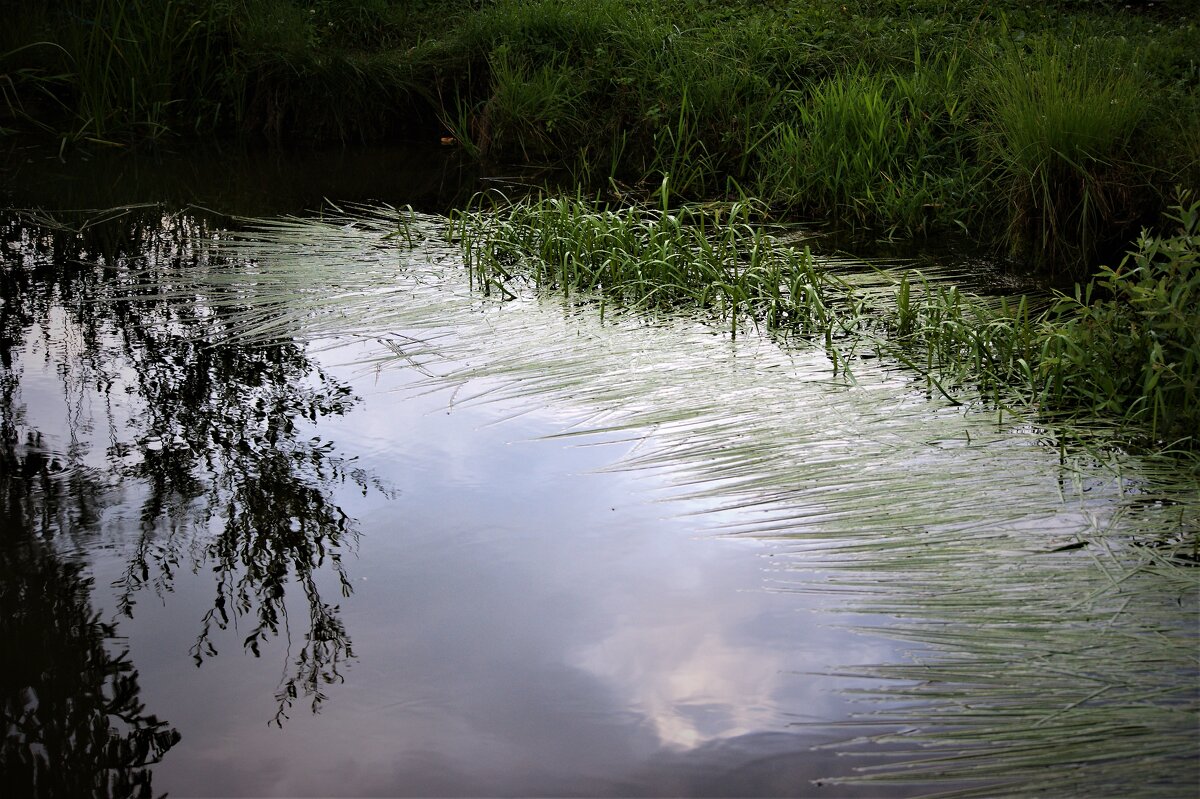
x=227, y=478
x=74, y=725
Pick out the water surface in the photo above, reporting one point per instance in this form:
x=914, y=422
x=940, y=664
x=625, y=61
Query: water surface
x=460, y=547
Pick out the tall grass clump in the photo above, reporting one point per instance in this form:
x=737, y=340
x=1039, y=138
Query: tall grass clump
x=613, y=93
x=1060, y=122
x=525, y=72
x=704, y=104
x=876, y=148
x=145, y=67
x=320, y=71
x=531, y=111
x=543, y=30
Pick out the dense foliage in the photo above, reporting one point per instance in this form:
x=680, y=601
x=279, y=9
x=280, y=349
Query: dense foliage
x=1057, y=128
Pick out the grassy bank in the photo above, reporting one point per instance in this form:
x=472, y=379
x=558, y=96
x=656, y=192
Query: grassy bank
x=1054, y=129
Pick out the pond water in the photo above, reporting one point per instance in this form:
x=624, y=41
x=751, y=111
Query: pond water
x=430, y=544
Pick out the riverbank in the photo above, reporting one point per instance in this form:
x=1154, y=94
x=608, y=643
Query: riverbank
x=1054, y=131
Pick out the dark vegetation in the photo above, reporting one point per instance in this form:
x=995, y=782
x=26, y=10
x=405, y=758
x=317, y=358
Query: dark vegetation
x=1055, y=129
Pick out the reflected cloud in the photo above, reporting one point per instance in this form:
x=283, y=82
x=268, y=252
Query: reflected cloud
x=691, y=684
x=548, y=634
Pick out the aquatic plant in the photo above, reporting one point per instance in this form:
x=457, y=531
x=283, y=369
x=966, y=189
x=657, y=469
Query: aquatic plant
x=707, y=257
x=1124, y=344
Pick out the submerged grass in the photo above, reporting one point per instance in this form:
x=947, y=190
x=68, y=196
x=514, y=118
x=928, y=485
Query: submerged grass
x=1124, y=344
x=1049, y=591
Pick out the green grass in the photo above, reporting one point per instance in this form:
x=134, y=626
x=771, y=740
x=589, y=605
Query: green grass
x=873, y=147
x=1061, y=121
x=1054, y=130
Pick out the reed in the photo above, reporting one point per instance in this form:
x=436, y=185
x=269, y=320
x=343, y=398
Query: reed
x=876, y=148
x=1061, y=120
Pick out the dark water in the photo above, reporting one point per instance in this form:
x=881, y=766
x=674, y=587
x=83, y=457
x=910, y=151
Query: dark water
x=234, y=179
x=262, y=571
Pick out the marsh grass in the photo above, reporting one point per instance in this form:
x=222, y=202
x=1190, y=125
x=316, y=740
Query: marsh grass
x=1047, y=589
x=846, y=150
x=1061, y=119
x=640, y=98
x=706, y=104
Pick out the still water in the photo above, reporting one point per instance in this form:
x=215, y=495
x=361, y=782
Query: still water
x=458, y=548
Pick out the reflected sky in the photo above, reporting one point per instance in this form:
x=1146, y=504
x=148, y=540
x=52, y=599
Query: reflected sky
x=521, y=620
x=522, y=624
x=335, y=579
